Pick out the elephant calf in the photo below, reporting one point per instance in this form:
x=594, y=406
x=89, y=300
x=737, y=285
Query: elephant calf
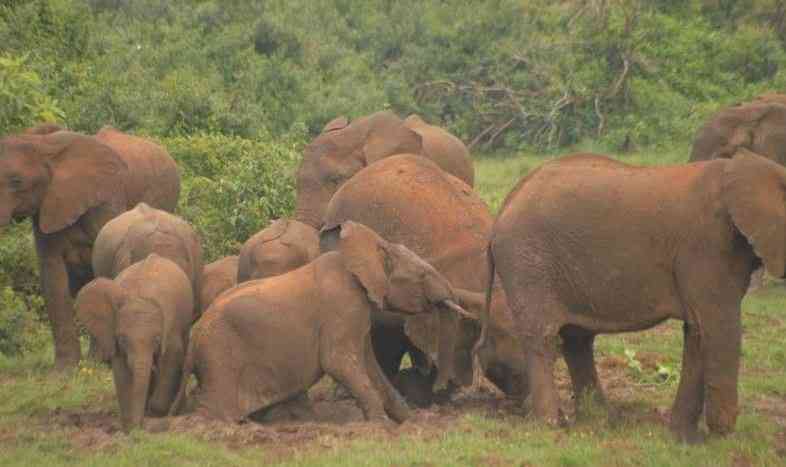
x=284, y=245
x=140, y=322
x=267, y=341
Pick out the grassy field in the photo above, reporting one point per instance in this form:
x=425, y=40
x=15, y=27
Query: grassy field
x=50, y=419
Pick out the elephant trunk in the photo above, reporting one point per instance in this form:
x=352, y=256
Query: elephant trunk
x=140, y=384
x=309, y=208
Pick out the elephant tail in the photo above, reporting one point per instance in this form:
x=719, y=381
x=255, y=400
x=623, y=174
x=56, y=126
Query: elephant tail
x=188, y=369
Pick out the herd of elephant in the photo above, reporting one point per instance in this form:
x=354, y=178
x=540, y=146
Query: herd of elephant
x=390, y=252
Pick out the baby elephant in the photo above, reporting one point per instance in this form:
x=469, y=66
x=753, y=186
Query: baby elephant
x=133, y=235
x=267, y=341
x=217, y=277
x=140, y=321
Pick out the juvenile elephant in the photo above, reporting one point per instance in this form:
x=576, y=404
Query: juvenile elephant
x=70, y=185
x=345, y=147
x=284, y=245
x=141, y=321
x=447, y=151
x=759, y=126
x=407, y=199
x=135, y=234
x=217, y=277
x=587, y=245
x=267, y=341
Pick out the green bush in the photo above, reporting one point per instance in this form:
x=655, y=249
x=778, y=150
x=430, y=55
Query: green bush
x=21, y=330
x=233, y=187
x=23, y=97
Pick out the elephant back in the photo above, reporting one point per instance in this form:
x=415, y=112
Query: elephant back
x=154, y=176
x=408, y=199
x=445, y=149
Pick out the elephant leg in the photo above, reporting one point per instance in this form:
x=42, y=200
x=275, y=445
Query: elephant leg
x=55, y=286
x=690, y=395
x=395, y=406
x=720, y=352
x=346, y=363
x=164, y=386
x=539, y=326
x=122, y=377
x=577, y=349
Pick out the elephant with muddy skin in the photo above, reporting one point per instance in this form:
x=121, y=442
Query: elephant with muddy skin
x=217, y=277
x=407, y=199
x=759, y=126
x=135, y=234
x=586, y=245
x=344, y=148
x=267, y=341
x=140, y=322
x=70, y=185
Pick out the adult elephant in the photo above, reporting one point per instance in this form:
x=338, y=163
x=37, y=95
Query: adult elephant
x=587, y=245
x=407, y=199
x=70, y=185
x=344, y=148
x=759, y=126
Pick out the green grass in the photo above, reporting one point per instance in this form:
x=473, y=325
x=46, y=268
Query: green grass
x=33, y=402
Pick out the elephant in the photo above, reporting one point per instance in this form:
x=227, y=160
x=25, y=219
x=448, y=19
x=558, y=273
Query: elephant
x=449, y=152
x=586, y=245
x=70, y=185
x=141, y=321
x=407, y=199
x=267, y=341
x=344, y=147
x=217, y=277
x=135, y=234
x=284, y=245
x=758, y=126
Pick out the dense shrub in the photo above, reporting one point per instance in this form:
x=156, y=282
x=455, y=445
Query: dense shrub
x=233, y=186
x=23, y=97
x=20, y=327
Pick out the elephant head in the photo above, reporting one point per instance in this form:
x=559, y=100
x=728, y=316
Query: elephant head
x=341, y=151
x=753, y=191
x=130, y=331
x=394, y=278
x=55, y=178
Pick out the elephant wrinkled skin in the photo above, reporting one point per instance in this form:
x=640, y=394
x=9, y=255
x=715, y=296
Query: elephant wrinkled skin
x=141, y=321
x=587, y=245
x=267, y=341
x=70, y=185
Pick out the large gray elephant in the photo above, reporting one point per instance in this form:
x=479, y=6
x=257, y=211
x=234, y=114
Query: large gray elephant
x=284, y=245
x=267, y=341
x=586, y=245
x=135, y=234
x=407, y=199
x=141, y=321
x=70, y=185
x=346, y=147
x=759, y=126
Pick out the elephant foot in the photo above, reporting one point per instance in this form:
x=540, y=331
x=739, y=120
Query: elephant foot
x=415, y=387
x=340, y=392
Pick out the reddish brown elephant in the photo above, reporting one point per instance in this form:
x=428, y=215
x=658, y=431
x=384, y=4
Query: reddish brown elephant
x=284, y=245
x=407, y=199
x=217, y=277
x=70, y=185
x=346, y=147
x=759, y=126
x=267, y=341
x=586, y=245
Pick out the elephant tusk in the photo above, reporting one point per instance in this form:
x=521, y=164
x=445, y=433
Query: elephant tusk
x=455, y=307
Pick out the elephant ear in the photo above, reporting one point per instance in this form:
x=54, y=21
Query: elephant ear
x=336, y=124
x=85, y=174
x=753, y=191
x=363, y=254
x=96, y=305
x=389, y=136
